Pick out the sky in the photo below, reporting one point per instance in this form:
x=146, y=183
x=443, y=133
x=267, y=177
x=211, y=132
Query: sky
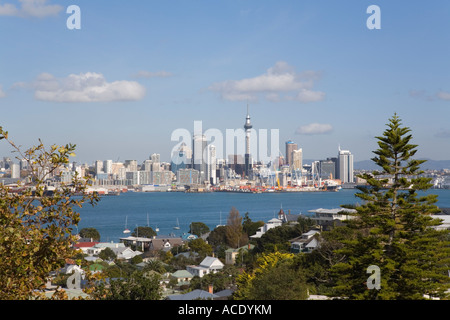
x=136, y=71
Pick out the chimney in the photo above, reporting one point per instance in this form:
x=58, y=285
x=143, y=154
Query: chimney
x=210, y=289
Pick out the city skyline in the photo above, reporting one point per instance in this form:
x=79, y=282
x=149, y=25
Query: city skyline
x=135, y=72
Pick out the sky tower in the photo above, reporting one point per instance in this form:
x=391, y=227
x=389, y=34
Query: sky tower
x=248, y=126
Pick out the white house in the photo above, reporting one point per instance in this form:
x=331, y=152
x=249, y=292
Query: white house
x=322, y=216
x=305, y=243
x=272, y=223
x=208, y=265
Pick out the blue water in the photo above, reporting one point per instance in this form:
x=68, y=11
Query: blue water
x=163, y=209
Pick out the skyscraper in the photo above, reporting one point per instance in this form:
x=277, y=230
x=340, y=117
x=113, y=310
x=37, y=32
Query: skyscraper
x=198, y=161
x=248, y=126
x=344, y=166
x=290, y=147
x=297, y=159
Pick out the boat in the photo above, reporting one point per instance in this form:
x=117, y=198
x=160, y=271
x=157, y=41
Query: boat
x=148, y=225
x=126, y=229
x=177, y=227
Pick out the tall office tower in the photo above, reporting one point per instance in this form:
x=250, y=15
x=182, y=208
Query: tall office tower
x=248, y=126
x=131, y=165
x=198, y=150
x=212, y=164
x=290, y=147
x=98, y=166
x=15, y=170
x=107, y=166
x=327, y=169
x=156, y=157
x=345, y=166
x=297, y=159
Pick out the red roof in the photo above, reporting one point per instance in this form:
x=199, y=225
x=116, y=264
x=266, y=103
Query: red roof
x=85, y=244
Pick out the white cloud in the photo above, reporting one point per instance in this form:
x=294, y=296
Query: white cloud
x=85, y=87
x=443, y=95
x=149, y=74
x=2, y=93
x=30, y=8
x=279, y=82
x=314, y=128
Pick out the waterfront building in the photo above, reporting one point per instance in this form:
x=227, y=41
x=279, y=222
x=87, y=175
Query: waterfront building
x=327, y=169
x=212, y=164
x=188, y=177
x=107, y=166
x=345, y=166
x=290, y=148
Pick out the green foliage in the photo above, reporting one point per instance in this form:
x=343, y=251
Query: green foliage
x=198, y=228
x=143, y=232
x=201, y=247
x=90, y=233
x=107, y=254
x=138, y=286
x=249, y=227
x=393, y=229
x=277, y=239
x=276, y=277
x=36, y=234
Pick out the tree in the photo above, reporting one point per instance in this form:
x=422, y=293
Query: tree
x=198, y=228
x=107, y=254
x=138, y=286
x=143, y=232
x=275, y=278
x=249, y=227
x=277, y=239
x=201, y=247
x=394, y=230
x=234, y=233
x=90, y=233
x=36, y=234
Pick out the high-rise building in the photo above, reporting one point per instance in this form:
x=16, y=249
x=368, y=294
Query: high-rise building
x=327, y=169
x=198, y=161
x=212, y=164
x=290, y=147
x=297, y=159
x=107, y=166
x=248, y=126
x=344, y=166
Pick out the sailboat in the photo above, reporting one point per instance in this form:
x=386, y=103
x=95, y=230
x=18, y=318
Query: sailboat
x=220, y=224
x=177, y=227
x=148, y=225
x=126, y=229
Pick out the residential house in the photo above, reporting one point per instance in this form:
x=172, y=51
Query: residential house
x=272, y=223
x=182, y=276
x=208, y=265
x=165, y=243
x=328, y=218
x=307, y=242
x=125, y=253
x=85, y=246
x=230, y=254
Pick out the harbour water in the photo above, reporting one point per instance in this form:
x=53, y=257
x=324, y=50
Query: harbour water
x=162, y=209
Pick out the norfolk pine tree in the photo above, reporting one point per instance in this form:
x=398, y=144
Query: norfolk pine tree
x=394, y=229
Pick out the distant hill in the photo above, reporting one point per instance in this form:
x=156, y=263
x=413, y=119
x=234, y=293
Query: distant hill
x=370, y=165
x=429, y=165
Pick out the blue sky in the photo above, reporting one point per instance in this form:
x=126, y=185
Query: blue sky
x=138, y=70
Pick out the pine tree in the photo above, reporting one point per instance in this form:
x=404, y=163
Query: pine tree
x=394, y=229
